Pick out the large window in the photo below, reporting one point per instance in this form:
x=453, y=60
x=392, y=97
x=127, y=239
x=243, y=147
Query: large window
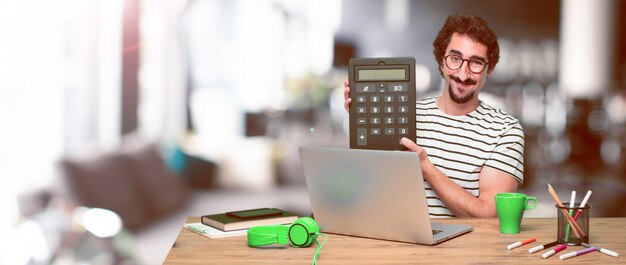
x=59, y=87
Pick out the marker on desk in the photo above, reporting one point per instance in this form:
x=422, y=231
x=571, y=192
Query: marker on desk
x=197, y=228
x=602, y=250
x=554, y=251
x=521, y=243
x=582, y=204
x=577, y=253
x=537, y=248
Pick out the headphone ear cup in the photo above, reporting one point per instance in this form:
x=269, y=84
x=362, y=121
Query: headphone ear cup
x=312, y=225
x=303, y=232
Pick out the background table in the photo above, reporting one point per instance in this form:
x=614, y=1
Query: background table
x=484, y=245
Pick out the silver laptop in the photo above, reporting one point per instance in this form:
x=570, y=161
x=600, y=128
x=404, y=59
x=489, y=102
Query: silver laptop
x=373, y=194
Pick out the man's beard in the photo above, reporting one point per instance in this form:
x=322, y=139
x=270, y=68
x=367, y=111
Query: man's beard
x=459, y=99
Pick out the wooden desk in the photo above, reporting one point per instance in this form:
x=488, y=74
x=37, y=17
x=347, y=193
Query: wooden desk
x=483, y=245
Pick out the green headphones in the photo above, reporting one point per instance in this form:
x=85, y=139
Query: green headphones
x=302, y=233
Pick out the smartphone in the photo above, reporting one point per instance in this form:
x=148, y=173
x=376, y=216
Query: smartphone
x=255, y=213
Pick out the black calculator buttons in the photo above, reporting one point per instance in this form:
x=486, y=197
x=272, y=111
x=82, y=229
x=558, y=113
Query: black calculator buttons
x=398, y=88
x=381, y=87
x=361, y=136
x=365, y=88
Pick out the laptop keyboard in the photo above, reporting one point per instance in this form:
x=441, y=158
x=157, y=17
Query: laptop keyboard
x=437, y=232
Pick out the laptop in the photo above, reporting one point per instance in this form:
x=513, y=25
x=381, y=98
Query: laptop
x=373, y=194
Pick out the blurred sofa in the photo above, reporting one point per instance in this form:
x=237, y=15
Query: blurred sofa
x=133, y=181
x=153, y=201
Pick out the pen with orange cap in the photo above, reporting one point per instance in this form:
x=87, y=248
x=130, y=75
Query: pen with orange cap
x=521, y=243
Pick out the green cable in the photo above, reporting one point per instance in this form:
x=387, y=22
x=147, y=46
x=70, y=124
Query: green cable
x=319, y=247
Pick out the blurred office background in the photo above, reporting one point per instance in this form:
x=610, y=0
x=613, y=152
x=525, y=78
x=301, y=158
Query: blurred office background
x=121, y=117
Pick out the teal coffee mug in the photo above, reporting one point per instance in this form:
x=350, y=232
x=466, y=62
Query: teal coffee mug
x=510, y=208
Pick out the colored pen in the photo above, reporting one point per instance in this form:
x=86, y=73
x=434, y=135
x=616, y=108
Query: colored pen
x=603, y=250
x=537, y=248
x=582, y=204
x=571, y=212
x=579, y=232
x=554, y=251
x=577, y=253
x=521, y=243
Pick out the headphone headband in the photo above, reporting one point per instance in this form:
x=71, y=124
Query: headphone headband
x=266, y=235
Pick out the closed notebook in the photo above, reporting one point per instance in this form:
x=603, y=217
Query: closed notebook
x=230, y=221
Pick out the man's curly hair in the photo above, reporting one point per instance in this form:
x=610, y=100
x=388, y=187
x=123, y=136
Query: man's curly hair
x=473, y=26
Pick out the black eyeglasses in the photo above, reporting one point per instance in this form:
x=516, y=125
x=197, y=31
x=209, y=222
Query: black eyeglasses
x=454, y=62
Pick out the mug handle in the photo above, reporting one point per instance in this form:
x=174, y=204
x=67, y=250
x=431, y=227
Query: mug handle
x=528, y=199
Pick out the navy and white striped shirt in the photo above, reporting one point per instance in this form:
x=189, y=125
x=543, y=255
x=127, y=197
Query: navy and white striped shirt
x=460, y=146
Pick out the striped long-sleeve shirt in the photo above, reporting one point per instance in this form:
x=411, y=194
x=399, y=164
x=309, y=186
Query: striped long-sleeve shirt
x=460, y=146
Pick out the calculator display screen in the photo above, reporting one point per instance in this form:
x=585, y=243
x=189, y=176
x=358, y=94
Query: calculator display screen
x=381, y=74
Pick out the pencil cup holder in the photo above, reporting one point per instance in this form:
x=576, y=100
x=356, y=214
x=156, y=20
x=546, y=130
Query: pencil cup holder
x=567, y=233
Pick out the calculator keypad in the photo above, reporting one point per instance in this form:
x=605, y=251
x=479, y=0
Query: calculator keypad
x=382, y=109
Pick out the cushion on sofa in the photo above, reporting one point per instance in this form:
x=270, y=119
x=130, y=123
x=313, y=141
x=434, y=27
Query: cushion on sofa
x=132, y=181
x=101, y=181
x=162, y=189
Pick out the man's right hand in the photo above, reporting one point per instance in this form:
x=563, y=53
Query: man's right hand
x=346, y=95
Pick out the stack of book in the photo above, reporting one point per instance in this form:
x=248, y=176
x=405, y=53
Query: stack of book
x=230, y=221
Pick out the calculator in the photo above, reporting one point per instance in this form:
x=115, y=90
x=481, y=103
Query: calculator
x=383, y=102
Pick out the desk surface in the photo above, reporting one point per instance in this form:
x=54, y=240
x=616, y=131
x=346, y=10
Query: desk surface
x=483, y=245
